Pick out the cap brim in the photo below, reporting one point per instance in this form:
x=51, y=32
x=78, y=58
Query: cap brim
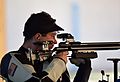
x=55, y=27
x=58, y=28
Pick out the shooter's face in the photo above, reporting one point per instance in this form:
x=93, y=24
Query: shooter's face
x=51, y=36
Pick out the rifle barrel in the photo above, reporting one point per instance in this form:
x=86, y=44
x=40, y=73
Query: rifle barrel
x=88, y=46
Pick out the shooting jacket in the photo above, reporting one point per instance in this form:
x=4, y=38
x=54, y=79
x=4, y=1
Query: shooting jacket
x=51, y=70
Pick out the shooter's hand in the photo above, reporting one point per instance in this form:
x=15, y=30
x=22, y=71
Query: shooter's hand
x=62, y=55
x=77, y=61
x=84, y=69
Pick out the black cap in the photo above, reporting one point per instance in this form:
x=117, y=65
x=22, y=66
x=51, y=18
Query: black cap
x=40, y=23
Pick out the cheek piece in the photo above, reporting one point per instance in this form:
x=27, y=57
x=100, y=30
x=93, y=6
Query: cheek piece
x=42, y=53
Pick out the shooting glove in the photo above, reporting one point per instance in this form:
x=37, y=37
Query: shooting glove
x=84, y=69
x=77, y=61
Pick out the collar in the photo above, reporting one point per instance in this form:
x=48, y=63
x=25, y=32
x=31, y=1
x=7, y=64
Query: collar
x=23, y=49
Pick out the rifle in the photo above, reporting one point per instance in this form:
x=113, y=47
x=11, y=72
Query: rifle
x=83, y=50
x=79, y=49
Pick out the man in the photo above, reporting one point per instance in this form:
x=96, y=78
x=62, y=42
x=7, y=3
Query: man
x=31, y=64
